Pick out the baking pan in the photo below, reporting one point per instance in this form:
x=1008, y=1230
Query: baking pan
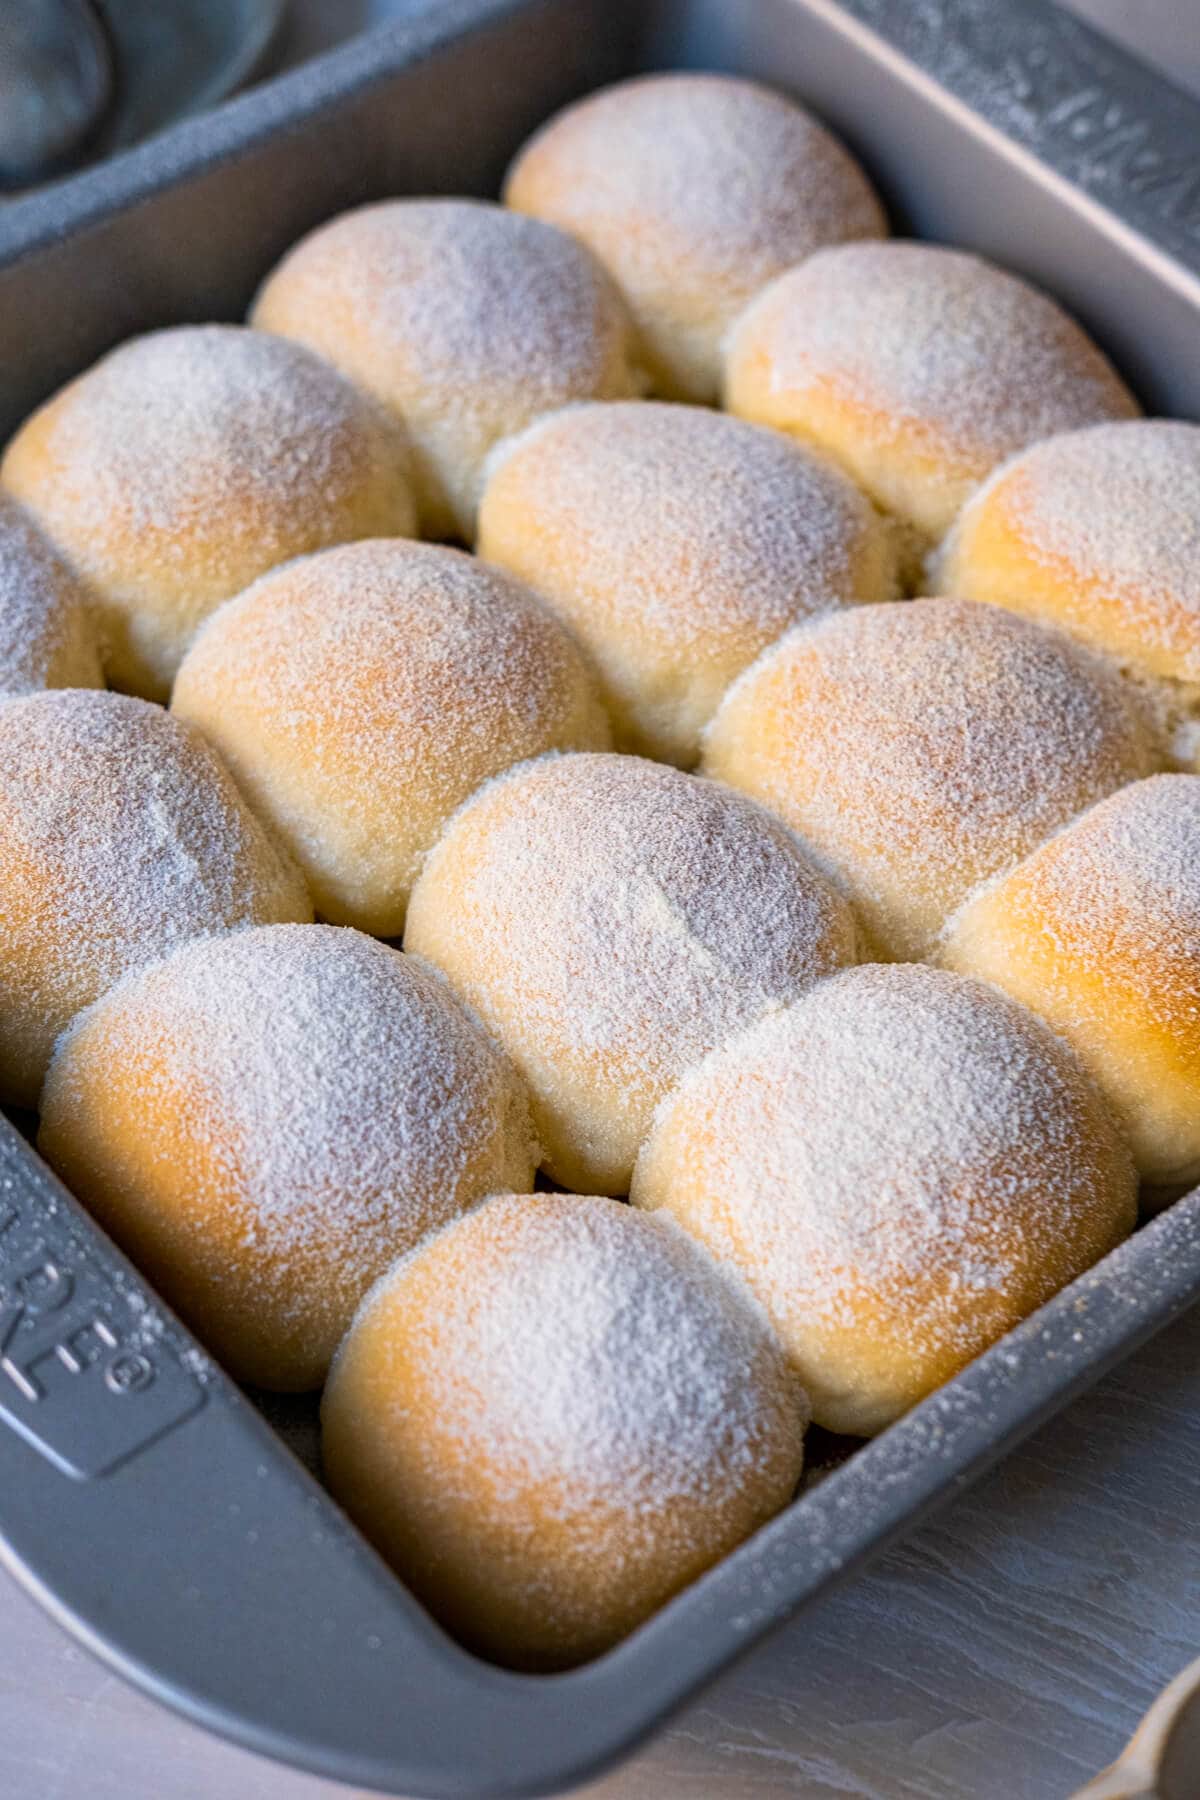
x=143, y=1499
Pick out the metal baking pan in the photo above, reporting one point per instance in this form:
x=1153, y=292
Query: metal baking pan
x=147, y=1503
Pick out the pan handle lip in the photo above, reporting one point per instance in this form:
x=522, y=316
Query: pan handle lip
x=1079, y=107
x=1076, y=104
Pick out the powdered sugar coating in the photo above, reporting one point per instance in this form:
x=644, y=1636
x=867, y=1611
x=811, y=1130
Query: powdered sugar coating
x=121, y=835
x=921, y=747
x=1099, y=531
x=1127, y=878
x=678, y=543
x=188, y=461
x=268, y=1119
x=544, y=1518
x=464, y=319
x=918, y=368
x=1099, y=931
x=902, y=1164
x=46, y=636
x=611, y=920
x=359, y=696
x=695, y=191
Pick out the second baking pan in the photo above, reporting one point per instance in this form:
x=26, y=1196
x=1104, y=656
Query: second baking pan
x=150, y=1505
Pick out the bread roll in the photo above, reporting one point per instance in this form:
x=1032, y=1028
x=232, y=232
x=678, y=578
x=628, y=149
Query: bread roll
x=47, y=639
x=187, y=462
x=465, y=320
x=266, y=1120
x=678, y=543
x=359, y=696
x=919, y=748
x=694, y=191
x=918, y=369
x=610, y=921
x=1096, y=531
x=1099, y=932
x=901, y=1164
x=552, y=1417
x=121, y=835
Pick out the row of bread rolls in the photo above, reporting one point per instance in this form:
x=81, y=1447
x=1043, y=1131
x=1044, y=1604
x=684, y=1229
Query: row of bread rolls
x=859, y=1178
x=897, y=1163
x=266, y=1118
x=752, y=534
x=553, y=1411
x=361, y=696
x=920, y=753
x=652, y=233
x=916, y=750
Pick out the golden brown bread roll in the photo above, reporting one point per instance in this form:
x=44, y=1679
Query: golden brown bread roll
x=121, y=835
x=1099, y=932
x=918, y=369
x=901, y=1164
x=678, y=543
x=360, y=695
x=1096, y=531
x=465, y=320
x=47, y=638
x=187, y=462
x=266, y=1120
x=552, y=1417
x=920, y=747
x=694, y=191
x=610, y=921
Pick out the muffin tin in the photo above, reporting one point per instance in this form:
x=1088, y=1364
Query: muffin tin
x=147, y=1503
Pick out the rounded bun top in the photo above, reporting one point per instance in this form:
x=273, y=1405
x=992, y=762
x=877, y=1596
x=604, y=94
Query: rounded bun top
x=694, y=191
x=121, y=835
x=920, y=747
x=1099, y=531
x=280, y=1036
x=556, y=1414
x=129, y=812
x=679, y=543
x=1122, y=887
x=185, y=463
x=611, y=920
x=1099, y=931
x=362, y=694
x=902, y=1163
x=918, y=368
x=463, y=318
x=269, y=1118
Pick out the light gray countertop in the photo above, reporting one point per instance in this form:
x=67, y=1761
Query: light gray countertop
x=1004, y=1653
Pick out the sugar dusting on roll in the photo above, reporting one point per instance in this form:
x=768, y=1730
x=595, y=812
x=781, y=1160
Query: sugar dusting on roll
x=922, y=747
x=267, y=1120
x=553, y=1417
x=121, y=835
x=465, y=320
x=694, y=191
x=919, y=369
x=611, y=920
x=187, y=462
x=678, y=543
x=901, y=1165
x=1099, y=932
